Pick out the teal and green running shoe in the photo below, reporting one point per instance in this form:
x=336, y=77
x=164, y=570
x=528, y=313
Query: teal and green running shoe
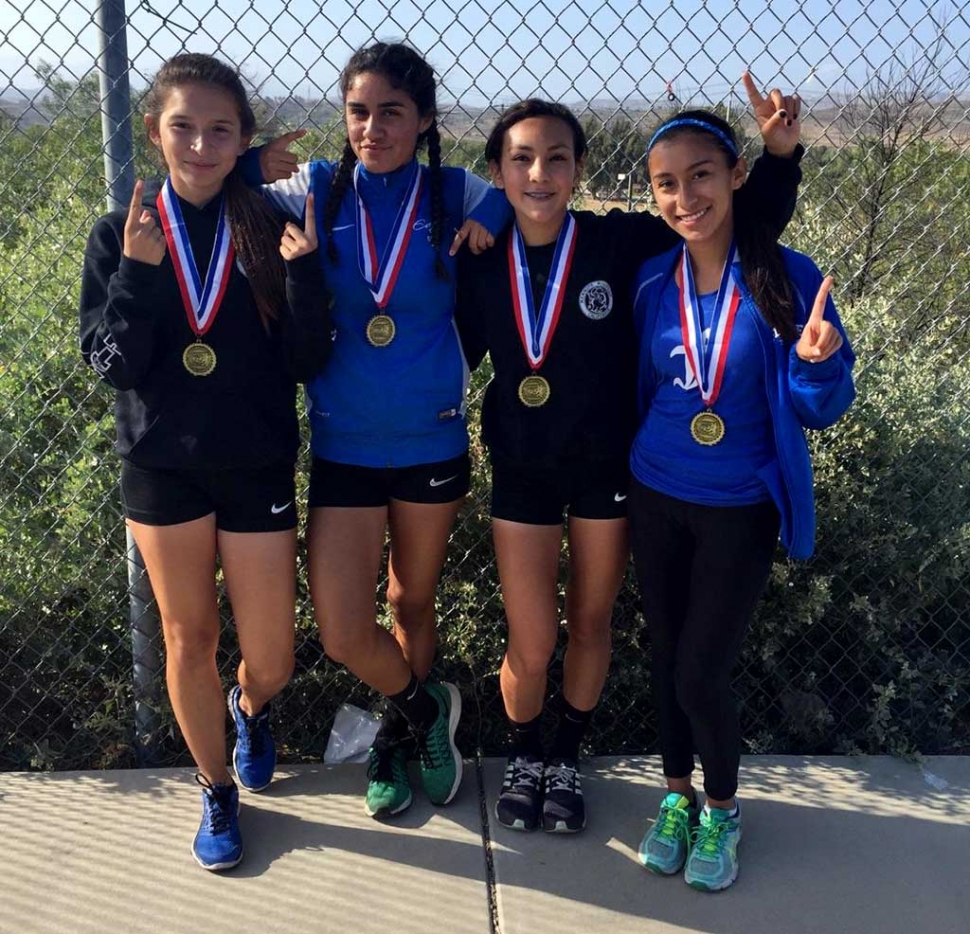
x=440, y=759
x=388, y=787
x=713, y=861
x=664, y=848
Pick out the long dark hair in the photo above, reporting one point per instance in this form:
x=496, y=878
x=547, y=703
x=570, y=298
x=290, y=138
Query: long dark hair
x=761, y=257
x=254, y=228
x=405, y=70
x=523, y=110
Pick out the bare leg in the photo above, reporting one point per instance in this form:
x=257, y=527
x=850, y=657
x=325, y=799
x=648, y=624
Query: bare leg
x=260, y=571
x=599, y=551
x=346, y=545
x=419, y=541
x=181, y=565
x=528, y=567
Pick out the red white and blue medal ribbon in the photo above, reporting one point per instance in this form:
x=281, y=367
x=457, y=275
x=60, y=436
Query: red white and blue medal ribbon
x=200, y=299
x=707, y=360
x=381, y=272
x=536, y=329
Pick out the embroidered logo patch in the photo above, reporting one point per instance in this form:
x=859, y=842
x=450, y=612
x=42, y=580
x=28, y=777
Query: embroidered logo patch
x=596, y=300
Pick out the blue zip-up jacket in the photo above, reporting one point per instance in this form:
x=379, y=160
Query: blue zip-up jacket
x=403, y=404
x=800, y=395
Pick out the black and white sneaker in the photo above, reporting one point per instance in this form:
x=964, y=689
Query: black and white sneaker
x=520, y=800
x=563, y=810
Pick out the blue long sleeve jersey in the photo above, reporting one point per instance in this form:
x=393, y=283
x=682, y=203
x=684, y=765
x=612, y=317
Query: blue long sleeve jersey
x=404, y=403
x=799, y=395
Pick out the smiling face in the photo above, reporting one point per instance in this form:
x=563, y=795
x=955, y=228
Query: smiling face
x=200, y=137
x=694, y=187
x=383, y=123
x=538, y=171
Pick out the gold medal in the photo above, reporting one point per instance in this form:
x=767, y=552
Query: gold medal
x=380, y=330
x=199, y=359
x=707, y=428
x=534, y=391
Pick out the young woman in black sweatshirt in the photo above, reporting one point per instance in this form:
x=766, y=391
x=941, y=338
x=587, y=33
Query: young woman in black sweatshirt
x=184, y=312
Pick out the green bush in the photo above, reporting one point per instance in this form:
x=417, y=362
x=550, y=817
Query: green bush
x=864, y=648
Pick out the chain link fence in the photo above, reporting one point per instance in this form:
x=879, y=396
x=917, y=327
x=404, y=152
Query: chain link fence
x=865, y=648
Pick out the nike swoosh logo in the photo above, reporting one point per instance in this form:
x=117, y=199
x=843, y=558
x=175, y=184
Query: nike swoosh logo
x=617, y=498
x=276, y=510
x=443, y=482
x=343, y=227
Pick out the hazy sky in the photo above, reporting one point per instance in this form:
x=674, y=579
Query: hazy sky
x=501, y=50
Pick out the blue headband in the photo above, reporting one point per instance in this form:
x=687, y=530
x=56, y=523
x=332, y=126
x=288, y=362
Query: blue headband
x=701, y=124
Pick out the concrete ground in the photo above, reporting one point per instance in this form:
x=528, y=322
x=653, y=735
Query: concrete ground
x=830, y=845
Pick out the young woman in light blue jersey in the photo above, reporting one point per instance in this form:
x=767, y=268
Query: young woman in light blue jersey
x=741, y=349
x=387, y=416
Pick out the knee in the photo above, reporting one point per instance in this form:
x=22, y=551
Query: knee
x=342, y=646
x=271, y=674
x=190, y=644
x=407, y=606
x=529, y=661
x=590, y=633
x=700, y=693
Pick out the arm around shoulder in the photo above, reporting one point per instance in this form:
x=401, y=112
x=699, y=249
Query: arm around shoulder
x=771, y=191
x=486, y=204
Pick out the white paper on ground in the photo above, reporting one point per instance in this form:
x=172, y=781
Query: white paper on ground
x=351, y=735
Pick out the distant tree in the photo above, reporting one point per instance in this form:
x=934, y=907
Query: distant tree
x=896, y=165
x=615, y=148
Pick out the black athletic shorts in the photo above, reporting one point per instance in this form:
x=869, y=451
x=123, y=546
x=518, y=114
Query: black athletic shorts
x=333, y=484
x=541, y=496
x=244, y=499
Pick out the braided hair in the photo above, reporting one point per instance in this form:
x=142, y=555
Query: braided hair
x=405, y=70
x=254, y=227
x=761, y=258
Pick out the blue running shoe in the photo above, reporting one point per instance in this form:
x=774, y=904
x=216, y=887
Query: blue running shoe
x=218, y=844
x=664, y=848
x=254, y=755
x=713, y=861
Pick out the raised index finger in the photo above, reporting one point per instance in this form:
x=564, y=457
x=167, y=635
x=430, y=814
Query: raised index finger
x=754, y=95
x=818, y=309
x=310, y=223
x=134, y=209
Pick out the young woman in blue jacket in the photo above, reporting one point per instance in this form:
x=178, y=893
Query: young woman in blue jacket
x=387, y=416
x=740, y=350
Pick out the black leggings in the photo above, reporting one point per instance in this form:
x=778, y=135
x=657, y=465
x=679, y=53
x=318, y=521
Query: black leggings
x=701, y=571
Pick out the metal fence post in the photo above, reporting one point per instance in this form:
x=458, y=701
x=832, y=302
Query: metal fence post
x=119, y=174
x=145, y=654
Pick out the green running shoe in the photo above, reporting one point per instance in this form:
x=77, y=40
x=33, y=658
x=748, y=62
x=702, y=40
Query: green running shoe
x=388, y=788
x=440, y=759
x=664, y=848
x=713, y=861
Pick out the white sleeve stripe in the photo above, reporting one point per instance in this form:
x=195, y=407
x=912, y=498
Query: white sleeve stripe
x=643, y=285
x=475, y=190
x=290, y=193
